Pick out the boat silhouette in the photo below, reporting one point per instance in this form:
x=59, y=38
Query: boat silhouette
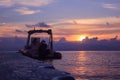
x=37, y=49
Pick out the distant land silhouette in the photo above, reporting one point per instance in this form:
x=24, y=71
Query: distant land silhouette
x=93, y=44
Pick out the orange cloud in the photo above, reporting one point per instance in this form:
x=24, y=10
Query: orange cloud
x=71, y=29
x=10, y=31
x=97, y=27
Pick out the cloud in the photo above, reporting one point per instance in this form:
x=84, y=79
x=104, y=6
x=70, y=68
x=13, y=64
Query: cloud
x=89, y=44
x=2, y=24
x=65, y=23
x=20, y=31
x=40, y=24
x=110, y=6
x=26, y=11
x=98, y=22
x=102, y=32
x=105, y=27
x=8, y=3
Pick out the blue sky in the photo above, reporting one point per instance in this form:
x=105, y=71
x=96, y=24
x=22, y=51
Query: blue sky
x=57, y=9
x=89, y=14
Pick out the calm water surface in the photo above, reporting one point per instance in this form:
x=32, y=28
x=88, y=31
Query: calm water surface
x=90, y=65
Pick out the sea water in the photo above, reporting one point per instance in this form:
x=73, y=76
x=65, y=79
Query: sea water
x=84, y=65
x=90, y=65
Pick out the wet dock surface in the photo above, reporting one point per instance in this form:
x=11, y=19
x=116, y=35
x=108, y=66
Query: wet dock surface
x=15, y=66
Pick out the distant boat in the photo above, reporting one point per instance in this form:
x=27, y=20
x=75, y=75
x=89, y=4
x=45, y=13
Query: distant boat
x=39, y=49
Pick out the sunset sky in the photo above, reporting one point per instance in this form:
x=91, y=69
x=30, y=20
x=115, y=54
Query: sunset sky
x=72, y=19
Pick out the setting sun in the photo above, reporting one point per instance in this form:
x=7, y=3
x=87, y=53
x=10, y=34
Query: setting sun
x=81, y=38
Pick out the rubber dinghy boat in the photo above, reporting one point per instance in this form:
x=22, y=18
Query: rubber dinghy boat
x=39, y=49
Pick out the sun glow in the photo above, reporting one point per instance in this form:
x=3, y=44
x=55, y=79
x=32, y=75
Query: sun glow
x=81, y=38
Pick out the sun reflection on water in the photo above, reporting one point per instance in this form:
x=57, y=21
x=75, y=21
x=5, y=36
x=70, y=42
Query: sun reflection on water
x=90, y=65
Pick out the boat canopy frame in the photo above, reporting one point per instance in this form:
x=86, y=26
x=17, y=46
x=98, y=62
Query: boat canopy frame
x=49, y=32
